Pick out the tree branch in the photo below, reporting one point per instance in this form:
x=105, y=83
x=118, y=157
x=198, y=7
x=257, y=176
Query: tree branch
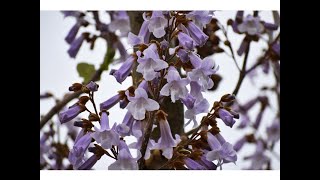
x=243, y=70
x=55, y=109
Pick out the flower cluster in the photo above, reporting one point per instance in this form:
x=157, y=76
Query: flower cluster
x=169, y=65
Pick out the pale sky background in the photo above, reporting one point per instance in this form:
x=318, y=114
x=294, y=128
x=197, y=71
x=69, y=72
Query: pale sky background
x=58, y=72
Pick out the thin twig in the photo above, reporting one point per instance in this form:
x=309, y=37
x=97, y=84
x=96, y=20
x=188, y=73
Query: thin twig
x=229, y=45
x=93, y=103
x=243, y=70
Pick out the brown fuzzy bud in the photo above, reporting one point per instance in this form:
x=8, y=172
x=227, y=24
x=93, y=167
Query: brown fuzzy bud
x=83, y=100
x=75, y=87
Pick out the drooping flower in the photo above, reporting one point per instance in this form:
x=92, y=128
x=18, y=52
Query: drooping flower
x=200, y=18
x=124, y=71
x=140, y=103
x=143, y=36
x=120, y=22
x=207, y=164
x=75, y=46
x=199, y=106
x=157, y=24
x=125, y=160
x=258, y=159
x=125, y=127
x=202, y=72
x=76, y=155
x=196, y=34
x=73, y=33
x=226, y=117
x=106, y=136
x=193, y=165
x=224, y=153
x=273, y=131
x=150, y=63
x=238, y=145
x=251, y=25
x=89, y=163
x=186, y=41
x=166, y=141
x=71, y=113
x=110, y=102
x=176, y=86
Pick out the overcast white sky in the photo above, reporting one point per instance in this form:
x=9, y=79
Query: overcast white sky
x=58, y=72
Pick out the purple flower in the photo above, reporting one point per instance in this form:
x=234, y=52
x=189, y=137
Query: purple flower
x=140, y=103
x=258, y=118
x=239, y=18
x=92, y=86
x=110, y=102
x=197, y=34
x=238, y=145
x=72, y=33
x=76, y=155
x=270, y=26
x=106, y=136
x=258, y=158
x=124, y=71
x=200, y=18
x=243, y=47
x=143, y=36
x=166, y=141
x=175, y=86
x=120, y=22
x=207, y=164
x=251, y=25
x=70, y=113
x=125, y=160
x=75, y=46
x=71, y=13
x=125, y=127
x=199, y=106
x=273, y=131
x=43, y=147
x=157, y=24
x=193, y=165
x=186, y=41
x=244, y=121
x=226, y=117
x=276, y=48
x=224, y=153
x=202, y=72
x=89, y=163
x=150, y=63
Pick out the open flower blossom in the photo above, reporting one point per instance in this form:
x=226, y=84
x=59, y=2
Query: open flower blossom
x=150, y=63
x=223, y=153
x=125, y=160
x=200, y=18
x=258, y=159
x=157, y=24
x=203, y=69
x=195, y=107
x=106, y=136
x=125, y=127
x=140, y=103
x=176, y=86
x=166, y=141
x=76, y=155
x=251, y=25
x=120, y=22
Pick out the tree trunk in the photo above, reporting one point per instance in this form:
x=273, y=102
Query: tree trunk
x=174, y=110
